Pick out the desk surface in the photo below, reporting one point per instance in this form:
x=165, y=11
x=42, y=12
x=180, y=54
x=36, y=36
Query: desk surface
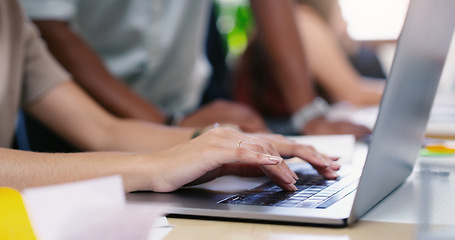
x=396, y=217
x=208, y=229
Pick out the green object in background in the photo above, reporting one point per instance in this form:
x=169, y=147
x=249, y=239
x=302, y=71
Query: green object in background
x=235, y=22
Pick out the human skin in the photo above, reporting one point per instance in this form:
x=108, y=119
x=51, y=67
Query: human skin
x=148, y=156
x=88, y=70
x=274, y=19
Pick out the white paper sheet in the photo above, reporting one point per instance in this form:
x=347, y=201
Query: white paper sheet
x=91, y=209
x=341, y=146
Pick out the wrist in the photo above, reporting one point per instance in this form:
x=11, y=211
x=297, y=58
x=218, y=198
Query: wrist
x=201, y=131
x=318, y=108
x=134, y=169
x=174, y=119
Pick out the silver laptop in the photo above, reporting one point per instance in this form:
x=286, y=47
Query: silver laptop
x=393, y=150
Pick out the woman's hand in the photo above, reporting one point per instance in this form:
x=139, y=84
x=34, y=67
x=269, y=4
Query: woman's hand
x=218, y=152
x=327, y=166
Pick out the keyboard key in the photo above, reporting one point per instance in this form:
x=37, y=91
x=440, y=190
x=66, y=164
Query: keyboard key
x=313, y=191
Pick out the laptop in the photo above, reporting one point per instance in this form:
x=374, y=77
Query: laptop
x=397, y=136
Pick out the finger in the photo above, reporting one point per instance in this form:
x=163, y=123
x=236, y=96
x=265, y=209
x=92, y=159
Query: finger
x=245, y=155
x=278, y=140
x=290, y=171
x=328, y=172
x=248, y=170
x=323, y=164
x=287, y=174
x=332, y=158
x=280, y=173
x=245, y=150
x=249, y=146
x=256, y=144
x=279, y=176
x=305, y=152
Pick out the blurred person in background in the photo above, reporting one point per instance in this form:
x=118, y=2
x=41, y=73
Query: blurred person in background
x=328, y=49
x=146, y=60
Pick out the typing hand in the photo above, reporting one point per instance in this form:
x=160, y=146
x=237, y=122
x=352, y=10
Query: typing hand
x=326, y=166
x=218, y=152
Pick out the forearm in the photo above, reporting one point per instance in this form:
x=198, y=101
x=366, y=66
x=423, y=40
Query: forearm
x=331, y=66
x=22, y=169
x=71, y=113
x=136, y=135
x=90, y=73
x=278, y=31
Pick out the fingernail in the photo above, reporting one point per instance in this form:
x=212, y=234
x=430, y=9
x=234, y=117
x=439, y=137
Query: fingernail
x=294, y=175
x=333, y=165
x=291, y=178
x=293, y=187
x=275, y=159
x=334, y=175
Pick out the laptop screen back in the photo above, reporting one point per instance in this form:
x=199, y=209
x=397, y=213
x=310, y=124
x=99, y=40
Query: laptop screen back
x=407, y=100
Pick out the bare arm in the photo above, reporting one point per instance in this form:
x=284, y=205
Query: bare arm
x=331, y=66
x=211, y=155
x=90, y=73
x=21, y=169
x=70, y=112
x=278, y=30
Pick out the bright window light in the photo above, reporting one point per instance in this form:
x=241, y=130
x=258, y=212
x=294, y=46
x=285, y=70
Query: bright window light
x=374, y=19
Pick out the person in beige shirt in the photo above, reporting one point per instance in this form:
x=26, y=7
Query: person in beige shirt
x=148, y=156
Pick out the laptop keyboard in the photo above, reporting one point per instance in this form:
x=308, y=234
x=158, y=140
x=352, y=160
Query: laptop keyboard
x=313, y=192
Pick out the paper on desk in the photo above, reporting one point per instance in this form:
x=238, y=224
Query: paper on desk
x=91, y=209
x=341, y=146
x=441, y=121
x=347, y=112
